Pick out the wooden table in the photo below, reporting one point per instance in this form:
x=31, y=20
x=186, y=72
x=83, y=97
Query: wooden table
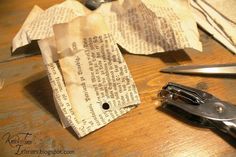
x=26, y=103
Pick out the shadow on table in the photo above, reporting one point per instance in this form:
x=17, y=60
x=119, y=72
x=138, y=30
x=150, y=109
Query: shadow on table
x=31, y=48
x=171, y=57
x=195, y=121
x=40, y=90
x=22, y=52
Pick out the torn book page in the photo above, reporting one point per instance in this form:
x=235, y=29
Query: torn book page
x=211, y=25
x=148, y=26
x=63, y=120
x=225, y=7
x=96, y=76
x=21, y=38
x=226, y=26
x=38, y=24
x=92, y=84
x=50, y=59
x=221, y=16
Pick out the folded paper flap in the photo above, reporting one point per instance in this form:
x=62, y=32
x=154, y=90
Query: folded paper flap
x=88, y=70
x=67, y=53
x=48, y=50
x=60, y=13
x=38, y=24
x=87, y=26
x=63, y=120
x=93, y=85
x=21, y=38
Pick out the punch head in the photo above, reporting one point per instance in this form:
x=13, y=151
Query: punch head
x=198, y=102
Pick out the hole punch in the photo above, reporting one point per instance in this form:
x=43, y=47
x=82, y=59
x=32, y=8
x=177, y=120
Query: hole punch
x=105, y=106
x=200, y=107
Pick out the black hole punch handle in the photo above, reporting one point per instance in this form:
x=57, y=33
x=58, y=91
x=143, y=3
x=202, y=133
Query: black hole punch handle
x=228, y=127
x=232, y=131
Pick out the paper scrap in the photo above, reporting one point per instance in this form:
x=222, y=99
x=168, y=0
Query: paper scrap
x=217, y=19
x=38, y=25
x=140, y=26
x=225, y=24
x=90, y=79
x=21, y=38
x=148, y=26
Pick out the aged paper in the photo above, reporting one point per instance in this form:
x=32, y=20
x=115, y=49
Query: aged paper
x=92, y=84
x=21, y=38
x=226, y=24
x=148, y=26
x=225, y=7
x=50, y=59
x=139, y=26
x=38, y=24
x=215, y=22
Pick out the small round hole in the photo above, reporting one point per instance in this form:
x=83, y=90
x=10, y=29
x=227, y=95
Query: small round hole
x=105, y=106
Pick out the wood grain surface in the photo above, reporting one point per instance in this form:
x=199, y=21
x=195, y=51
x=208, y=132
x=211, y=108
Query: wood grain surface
x=26, y=103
